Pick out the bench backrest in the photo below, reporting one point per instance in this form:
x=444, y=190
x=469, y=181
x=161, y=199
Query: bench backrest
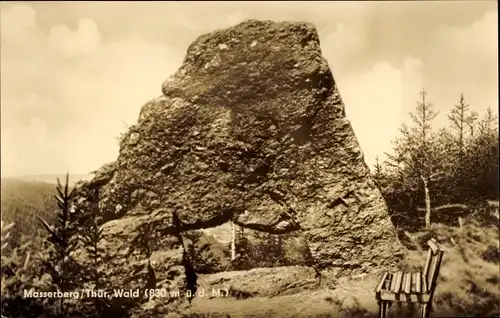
x=432, y=265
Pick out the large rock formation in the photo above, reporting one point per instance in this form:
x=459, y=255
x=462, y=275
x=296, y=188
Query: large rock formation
x=251, y=128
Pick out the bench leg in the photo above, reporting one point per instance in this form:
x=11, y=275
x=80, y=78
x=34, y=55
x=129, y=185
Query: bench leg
x=382, y=309
x=426, y=310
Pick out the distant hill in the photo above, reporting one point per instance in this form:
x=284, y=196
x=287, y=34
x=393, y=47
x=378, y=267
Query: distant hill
x=50, y=178
x=22, y=201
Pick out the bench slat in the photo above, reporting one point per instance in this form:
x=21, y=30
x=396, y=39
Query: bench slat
x=398, y=279
x=418, y=283
x=403, y=283
x=381, y=282
x=413, y=282
x=393, y=282
x=407, y=288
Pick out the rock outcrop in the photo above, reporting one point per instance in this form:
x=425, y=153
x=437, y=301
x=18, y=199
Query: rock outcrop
x=260, y=282
x=251, y=128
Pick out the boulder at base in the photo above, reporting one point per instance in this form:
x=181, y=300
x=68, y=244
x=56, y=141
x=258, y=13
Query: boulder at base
x=251, y=128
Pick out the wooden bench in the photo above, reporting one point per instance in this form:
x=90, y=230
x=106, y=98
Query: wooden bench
x=411, y=287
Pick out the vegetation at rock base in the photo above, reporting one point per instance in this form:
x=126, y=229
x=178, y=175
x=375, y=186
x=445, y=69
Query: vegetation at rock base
x=468, y=284
x=441, y=184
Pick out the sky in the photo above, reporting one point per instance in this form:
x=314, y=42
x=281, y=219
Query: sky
x=74, y=75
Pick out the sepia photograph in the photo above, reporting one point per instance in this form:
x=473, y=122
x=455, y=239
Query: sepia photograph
x=249, y=159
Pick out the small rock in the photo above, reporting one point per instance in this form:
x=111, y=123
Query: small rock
x=203, y=166
x=118, y=208
x=222, y=46
x=134, y=138
x=215, y=61
x=254, y=43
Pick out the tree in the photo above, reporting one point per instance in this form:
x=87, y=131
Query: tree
x=90, y=233
x=200, y=252
x=243, y=249
x=489, y=124
x=268, y=250
x=378, y=173
x=233, y=241
x=462, y=118
x=59, y=264
x=417, y=161
x=458, y=167
x=482, y=160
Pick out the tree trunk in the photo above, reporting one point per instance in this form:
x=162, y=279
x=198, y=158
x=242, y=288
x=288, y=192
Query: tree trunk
x=427, y=203
x=233, y=241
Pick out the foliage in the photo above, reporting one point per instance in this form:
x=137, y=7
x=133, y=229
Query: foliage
x=257, y=249
x=90, y=236
x=203, y=252
x=244, y=251
x=269, y=250
x=428, y=168
x=18, y=266
x=58, y=263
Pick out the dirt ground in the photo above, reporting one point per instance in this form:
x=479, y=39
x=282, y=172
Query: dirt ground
x=349, y=293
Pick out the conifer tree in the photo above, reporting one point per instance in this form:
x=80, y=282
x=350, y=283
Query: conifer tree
x=60, y=244
x=416, y=158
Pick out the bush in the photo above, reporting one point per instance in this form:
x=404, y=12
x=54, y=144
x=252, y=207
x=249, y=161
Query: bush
x=205, y=253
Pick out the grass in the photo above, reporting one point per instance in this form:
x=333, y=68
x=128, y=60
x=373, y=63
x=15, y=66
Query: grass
x=468, y=284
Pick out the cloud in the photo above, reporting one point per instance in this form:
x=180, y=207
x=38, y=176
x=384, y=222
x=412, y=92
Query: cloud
x=85, y=40
x=374, y=107
x=341, y=45
x=481, y=35
x=63, y=107
x=16, y=22
x=464, y=60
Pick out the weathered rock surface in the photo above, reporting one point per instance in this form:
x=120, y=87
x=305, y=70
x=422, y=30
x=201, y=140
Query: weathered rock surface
x=261, y=282
x=251, y=128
